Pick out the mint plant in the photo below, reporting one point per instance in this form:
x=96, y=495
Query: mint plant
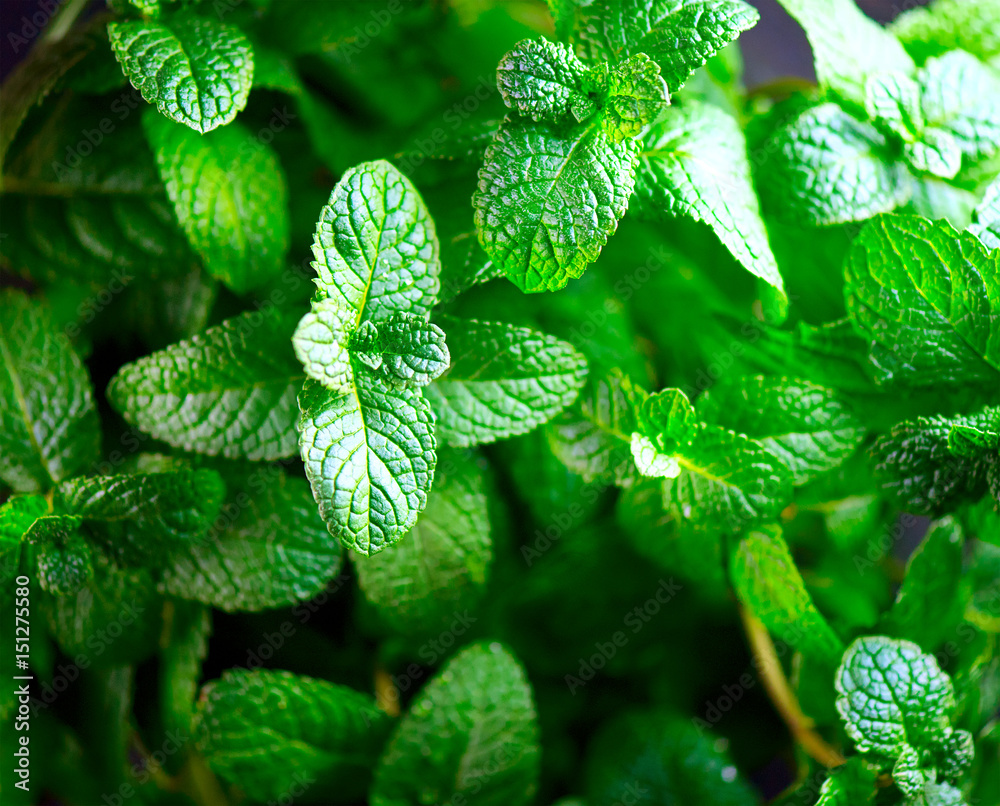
x=496, y=404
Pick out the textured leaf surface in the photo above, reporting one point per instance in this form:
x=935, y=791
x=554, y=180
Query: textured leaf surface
x=848, y=47
x=548, y=200
x=727, y=481
x=828, y=168
x=930, y=603
x=850, y=785
x=229, y=391
x=438, y=571
x=259, y=729
x=694, y=163
x=375, y=247
x=167, y=507
x=809, y=428
x=637, y=96
x=64, y=558
x=321, y=341
x=369, y=456
x=470, y=734
x=889, y=694
x=949, y=24
x=663, y=760
x=987, y=225
x=413, y=351
x=197, y=71
x=48, y=424
x=541, y=79
x=929, y=299
x=274, y=551
x=503, y=381
x=228, y=192
x=767, y=581
x=680, y=34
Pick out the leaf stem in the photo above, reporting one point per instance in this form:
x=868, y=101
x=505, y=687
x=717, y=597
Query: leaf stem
x=64, y=19
x=781, y=694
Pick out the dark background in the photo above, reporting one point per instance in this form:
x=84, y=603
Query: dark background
x=776, y=47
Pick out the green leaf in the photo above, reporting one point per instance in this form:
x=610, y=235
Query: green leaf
x=229, y=391
x=438, y=571
x=987, y=215
x=848, y=47
x=949, y=24
x=502, y=381
x=178, y=504
x=850, y=785
x=935, y=794
x=892, y=100
x=197, y=71
x=961, y=97
x=932, y=599
x=16, y=516
x=636, y=97
x=768, y=583
x=976, y=437
x=681, y=34
x=376, y=249
x=471, y=733
x=49, y=429
x=650, y=758
x=321, y=344
x=261, y=729
x=890, y=694
x=228, y=192
x=113, y=620
x=809, y=428
x=694, y=163
x=928, y=297
x=413, y=351
x=369, y=456
x=548, y=200
x=917, y=468
x=542, y=79
x=827, y=168
x=269, y=549
x=65, y=562
x=728, y=481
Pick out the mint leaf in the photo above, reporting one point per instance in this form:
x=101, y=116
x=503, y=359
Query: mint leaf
x=809, y=428
x=541, y=79
x=961, y=97
x=438, y=571
x=649, y=758
x=82, y=622
x=197, y=71
x=270, y=550
x=228, y=192
x=949, y=24
x=65, y=563
x=767, y=581
x=229, y=391
x=930, y=602
x=681, y=35
x=174, y=506
x=850, y=785
x=977, y=436
x=892, y=100
x=413, y=351
x=827, y=168
x=727, y=481
x=636, y=96
x=927, y=297
x=502, y=381
x=375, y=246
x=916, y=466
x=694, y=163
x=369, y=457
x=935, y=794
x=49, y=429
x=321, y=344
x=470, y=733
x=260, y=729
x=987, y=215
x=17, y=515
x=848, y=47
x=548, y=200
x=890, y=694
